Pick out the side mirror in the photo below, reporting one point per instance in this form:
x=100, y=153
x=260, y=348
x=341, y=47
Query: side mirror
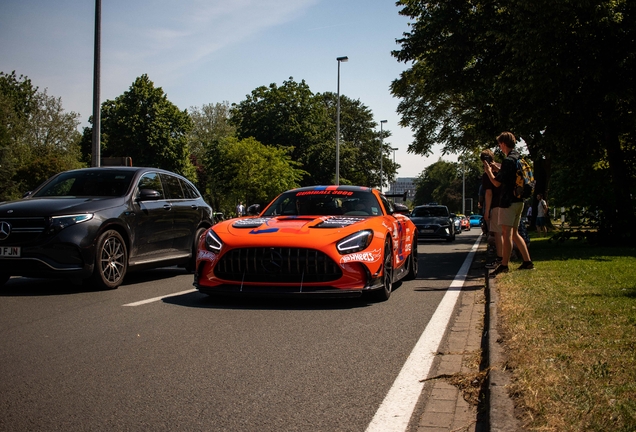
x=148, y=195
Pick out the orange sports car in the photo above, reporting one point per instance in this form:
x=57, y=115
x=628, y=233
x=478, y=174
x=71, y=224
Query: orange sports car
x=321, y=240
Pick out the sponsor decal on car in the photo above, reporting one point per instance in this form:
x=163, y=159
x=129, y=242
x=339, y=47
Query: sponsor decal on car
x=338, y=222
x=371, y=256
x=250, y=223
x=206, y=255
x=325, y=192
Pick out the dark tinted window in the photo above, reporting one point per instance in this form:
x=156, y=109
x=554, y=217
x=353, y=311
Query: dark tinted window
x=151, y=181
x=92, y=183
x=430, y=212
x=189, y=190
x=325, y=202
x=172, y=186
x=388, y=206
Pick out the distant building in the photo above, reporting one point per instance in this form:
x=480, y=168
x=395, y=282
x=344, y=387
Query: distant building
x=403, y=184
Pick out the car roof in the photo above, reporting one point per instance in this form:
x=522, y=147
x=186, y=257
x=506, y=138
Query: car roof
x=429, y=206
x=335, y=187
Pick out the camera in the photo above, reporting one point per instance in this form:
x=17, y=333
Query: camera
x=486, y=158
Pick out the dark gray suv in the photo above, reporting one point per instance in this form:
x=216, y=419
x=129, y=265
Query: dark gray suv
x=433, y=221
x=96, y=224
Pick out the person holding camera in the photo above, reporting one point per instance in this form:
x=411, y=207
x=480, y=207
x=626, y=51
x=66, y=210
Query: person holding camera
x=510, y=207
x=491, y=207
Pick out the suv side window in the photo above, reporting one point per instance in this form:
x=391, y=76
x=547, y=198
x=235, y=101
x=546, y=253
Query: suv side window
x=189, y=190
x=151, y=181
x=172, y=186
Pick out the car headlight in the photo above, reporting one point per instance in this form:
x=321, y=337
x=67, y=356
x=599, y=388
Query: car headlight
x=58, y=223
x=355, y=242
x=212, y=242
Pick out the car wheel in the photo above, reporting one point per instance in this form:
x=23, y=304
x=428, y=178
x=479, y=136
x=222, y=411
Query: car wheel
x=384, y=293
x=413, y=262
x=111, y=260
x=191, y=265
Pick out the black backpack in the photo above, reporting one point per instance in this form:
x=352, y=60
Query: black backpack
x=524, y=181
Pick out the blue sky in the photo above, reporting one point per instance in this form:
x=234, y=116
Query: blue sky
x=209, y=51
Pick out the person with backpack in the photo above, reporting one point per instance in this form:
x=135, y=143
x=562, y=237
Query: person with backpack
x=510, y=204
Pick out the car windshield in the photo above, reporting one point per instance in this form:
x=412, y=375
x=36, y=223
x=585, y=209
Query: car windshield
x=430, y=212
x=91, y=183
x=325, y=202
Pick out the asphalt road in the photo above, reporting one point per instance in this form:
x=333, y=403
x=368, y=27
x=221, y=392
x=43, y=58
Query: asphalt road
x=77, y=360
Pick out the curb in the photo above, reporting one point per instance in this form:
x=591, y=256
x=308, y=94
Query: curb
x=500, y=405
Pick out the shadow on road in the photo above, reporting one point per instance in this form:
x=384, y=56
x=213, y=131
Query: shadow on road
x=251, y=302
x=25, y=287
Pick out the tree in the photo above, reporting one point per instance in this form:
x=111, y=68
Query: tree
x=144, y=125
x=288, y=116
x=37, y=137
x=444, y=182
x=249, y=171
x=210, y=128
x=292, y=116
x=437, y=183
x=360, y=144
x=560, y=75
x=210, y=125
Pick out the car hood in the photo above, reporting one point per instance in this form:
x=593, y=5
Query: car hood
x=34, y=207
x=302, y=230
x=430, y=220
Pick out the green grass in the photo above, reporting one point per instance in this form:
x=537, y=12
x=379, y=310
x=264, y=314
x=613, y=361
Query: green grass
x=570, y=327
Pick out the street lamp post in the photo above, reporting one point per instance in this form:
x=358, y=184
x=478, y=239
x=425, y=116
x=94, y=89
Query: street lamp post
x=394, y=149
x=381, y=151
x=463, y=187
x=96, y=145
x=340, y=60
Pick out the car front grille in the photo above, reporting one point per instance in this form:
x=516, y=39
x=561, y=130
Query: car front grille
x=277, y=265
x=24, y=230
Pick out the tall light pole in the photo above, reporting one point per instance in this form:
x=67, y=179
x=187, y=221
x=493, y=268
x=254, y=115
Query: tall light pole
x=96, y=148
x=463, y=187
x=381, y=150
x=340, y=60
x=394, y=149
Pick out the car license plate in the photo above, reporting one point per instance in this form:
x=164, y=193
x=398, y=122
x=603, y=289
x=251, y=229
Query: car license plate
x=9, y=251
x=427, y=231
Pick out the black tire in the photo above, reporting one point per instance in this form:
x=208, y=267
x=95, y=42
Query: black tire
x=413, y=265
x=384, y=293
x=192, y=264
x=111, y=261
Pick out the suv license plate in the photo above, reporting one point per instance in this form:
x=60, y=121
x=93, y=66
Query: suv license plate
x=9, y=251
x=427, y=231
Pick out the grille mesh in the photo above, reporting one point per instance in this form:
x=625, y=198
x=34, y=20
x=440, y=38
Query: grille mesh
x=25, y=230
x=277, y=265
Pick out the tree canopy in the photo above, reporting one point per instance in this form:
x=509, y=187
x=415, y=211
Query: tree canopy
x=144, y=125
x=560, y=75
x=37, y=137
x=249, y=171
x=293, y=116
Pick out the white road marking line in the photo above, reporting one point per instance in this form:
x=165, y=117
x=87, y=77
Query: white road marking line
x=143, y=302
x=397, y=408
